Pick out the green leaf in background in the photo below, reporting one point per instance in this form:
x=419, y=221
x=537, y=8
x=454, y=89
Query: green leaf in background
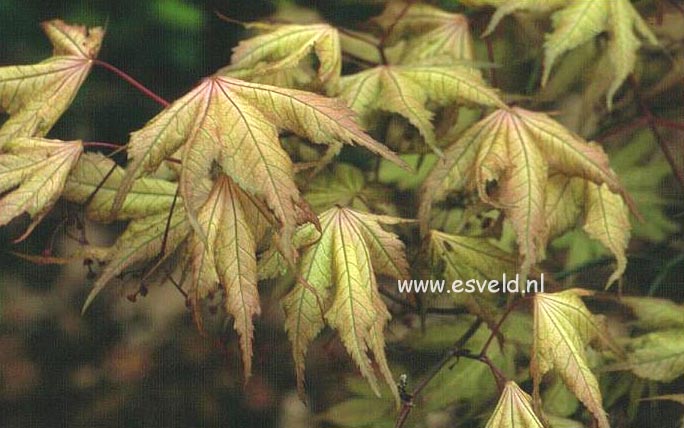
x=179, y=14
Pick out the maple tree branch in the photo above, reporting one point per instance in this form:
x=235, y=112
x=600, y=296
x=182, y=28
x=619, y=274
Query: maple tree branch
x=665, y=123
x=455, y=351
x=653, y=125
x=621, y=128
x=490, y=58
x=430, y=310
x=103, y=145
x=383, y=40
x=497, y=328
x=139, y=86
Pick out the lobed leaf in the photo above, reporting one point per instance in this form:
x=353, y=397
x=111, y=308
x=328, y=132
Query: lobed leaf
x=235, y=125
x=514, y=410
x=96, y=179
x=352, y=247
x=563, y=327
x=406, y=90
x=283, y=47
x=33, y=173
x=517, y=150
x=227, y=259
x=35, y=96
x=577, y=22
x=425, y=33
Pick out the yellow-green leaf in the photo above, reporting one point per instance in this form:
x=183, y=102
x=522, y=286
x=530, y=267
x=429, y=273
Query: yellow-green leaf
x=607, y=220
x=235, y=124
x=35, y=96
x=424, y=33
x=33, y=172
x=515, y=149
x=143, y=240
x=406, y=90
x=87, y=182
x=352, y=247
x=563, y=327
x=655, y=313
x=575, y=22
x=656, y=356
x=228, y=259
x=514, y=410
x=283, y=47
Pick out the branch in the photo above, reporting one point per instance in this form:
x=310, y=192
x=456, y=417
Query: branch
x=137, y=85
x=390, y=29
x=455, y=351
x=653, y=124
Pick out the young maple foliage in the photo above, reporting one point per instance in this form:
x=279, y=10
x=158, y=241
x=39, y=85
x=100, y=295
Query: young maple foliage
x=518, y=149
x=514, y=410
x=210, y=184
x=422, y=33
x=235, y=124
x=35, y=96
x=576, y=22
x=351, y=250
x=34, y=171
x=563, y=327
x=277, y=55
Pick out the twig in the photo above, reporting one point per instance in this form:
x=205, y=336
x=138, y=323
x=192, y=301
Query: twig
x=383, y=40
x=430, y=310
x=497, y=328
x=454, y=351
x=490, y=58
x=139, y=86
x=653, y=124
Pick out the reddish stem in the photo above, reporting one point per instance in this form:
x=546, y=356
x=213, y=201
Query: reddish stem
x=139, y=86
x=103, y=145
x=653, y=125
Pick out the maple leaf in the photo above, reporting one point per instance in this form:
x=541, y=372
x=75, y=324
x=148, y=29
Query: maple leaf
x=472, y=257
x=154, y=237
x=604, y=213
x=351, y=249
x=33, y=172
x=563, y=327
x=420, y=32
x=405, y=90
x=658, y=355
x=90, y=181
x=642, y=170
x=576, y=21
x=228, y=258
x=235, y=124
x=655, y=313
x=516, y=149
x=514, y=410
x=282, y=49
x=346, y=186
x=35, y=96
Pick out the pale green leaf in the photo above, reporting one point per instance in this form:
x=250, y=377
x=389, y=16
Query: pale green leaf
x=405, y=90
x=227, y=260
x=281, y=48
x=235, y=124
x=33, y=172
x=35, y=96
x=352, y=247
x=563, y=327
x=425, y=33
x=87, y=182
x=514, y=410
x=656, y=356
